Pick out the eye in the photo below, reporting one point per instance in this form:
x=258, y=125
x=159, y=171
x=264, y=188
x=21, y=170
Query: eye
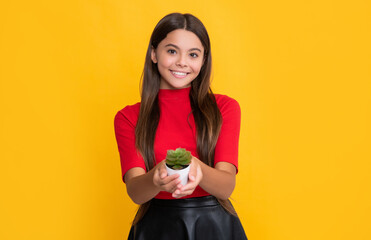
x=171, y=51
x=194, y=55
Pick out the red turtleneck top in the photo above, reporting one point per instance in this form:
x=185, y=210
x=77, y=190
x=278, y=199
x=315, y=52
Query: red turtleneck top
x=174, y=131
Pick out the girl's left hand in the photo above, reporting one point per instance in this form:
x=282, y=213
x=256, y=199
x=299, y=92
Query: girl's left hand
x=194, y=178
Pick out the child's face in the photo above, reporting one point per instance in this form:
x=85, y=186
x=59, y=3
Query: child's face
x=180, y=52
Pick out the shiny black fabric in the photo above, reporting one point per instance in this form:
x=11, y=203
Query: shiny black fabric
x=200, y=218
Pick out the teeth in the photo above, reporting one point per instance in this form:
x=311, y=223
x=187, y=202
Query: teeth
x=179, y=73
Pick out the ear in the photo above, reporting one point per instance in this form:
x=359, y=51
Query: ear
x=153, y=55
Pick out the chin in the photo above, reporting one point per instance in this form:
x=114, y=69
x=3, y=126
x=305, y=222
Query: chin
x=180, y=86
x=176, y=85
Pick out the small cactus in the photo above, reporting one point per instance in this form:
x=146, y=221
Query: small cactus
x=178, y=159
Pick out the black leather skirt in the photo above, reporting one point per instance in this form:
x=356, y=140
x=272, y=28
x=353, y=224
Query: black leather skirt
x=201, y=218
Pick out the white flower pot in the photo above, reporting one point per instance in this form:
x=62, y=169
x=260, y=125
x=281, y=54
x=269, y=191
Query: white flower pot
x=182, y=172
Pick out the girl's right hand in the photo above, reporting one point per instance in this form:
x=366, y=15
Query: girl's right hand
x=163, y=181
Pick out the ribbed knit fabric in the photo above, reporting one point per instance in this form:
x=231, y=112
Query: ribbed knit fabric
x=177, y=128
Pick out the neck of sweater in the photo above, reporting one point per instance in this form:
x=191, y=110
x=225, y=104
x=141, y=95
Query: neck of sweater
x=181, y=94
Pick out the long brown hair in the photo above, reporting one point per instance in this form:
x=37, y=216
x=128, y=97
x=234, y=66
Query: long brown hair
x=205, y=111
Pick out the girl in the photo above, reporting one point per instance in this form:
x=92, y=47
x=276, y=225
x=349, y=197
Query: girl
x=178, y=109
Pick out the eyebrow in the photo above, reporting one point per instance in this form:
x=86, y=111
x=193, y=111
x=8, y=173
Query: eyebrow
x=197, y=49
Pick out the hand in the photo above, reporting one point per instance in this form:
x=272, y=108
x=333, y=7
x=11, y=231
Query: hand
x=163, y=181
x=194, y=178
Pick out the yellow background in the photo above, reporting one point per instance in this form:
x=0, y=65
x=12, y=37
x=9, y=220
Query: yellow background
x=300, y=71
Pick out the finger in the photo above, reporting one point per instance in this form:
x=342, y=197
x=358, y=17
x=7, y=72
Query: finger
x=177, y=194
x=192, y=183
x=196, y=176
x=156, y=178
x=163, y=172
x=185, y=193
x=174, y=189
x=172, y=186
x=191, y=177
x=178, y=186
x=192, y=170
x=169, y=179
x=188, y=186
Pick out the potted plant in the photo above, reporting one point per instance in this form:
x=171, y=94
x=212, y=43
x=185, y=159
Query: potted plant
x=178, y=161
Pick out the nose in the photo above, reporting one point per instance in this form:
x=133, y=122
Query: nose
x=181, y=61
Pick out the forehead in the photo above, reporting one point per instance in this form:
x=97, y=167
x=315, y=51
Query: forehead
x=183, y=39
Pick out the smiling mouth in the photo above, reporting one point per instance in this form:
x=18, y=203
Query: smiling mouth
x=179, y=73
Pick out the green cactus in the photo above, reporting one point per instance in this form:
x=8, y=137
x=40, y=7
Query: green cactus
x=178, y=159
